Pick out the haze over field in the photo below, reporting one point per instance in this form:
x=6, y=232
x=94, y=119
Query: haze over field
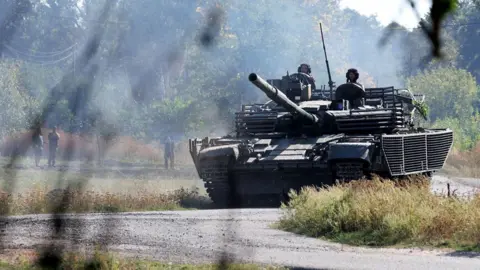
x=121, y=75
x=155, y=74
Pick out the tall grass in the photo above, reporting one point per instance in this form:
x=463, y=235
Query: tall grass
x=40, y=200
x=380, y=213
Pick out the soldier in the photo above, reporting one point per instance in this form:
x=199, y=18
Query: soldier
x=37, y=141
x=307, y=71
x=169, y=152
x=53, y=138
x=352, y=77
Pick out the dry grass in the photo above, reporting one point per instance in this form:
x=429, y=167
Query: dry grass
x=464, y=163
x=99, y=260
x=40, y=201
x=380, y=213
x=35, y=190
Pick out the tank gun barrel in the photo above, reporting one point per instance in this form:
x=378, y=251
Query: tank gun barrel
x=279, y=97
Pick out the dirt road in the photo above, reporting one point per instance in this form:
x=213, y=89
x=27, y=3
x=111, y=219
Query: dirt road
x=202, y=235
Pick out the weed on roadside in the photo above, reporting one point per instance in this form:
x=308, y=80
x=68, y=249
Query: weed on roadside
x=382, y=213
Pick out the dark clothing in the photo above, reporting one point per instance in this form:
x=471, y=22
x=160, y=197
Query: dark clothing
x=309, y=78
x=37, y=141
x=169, y=153
x=52, y=148
x=52, y=155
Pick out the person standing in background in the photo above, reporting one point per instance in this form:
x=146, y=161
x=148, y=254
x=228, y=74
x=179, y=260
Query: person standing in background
x=53, y=138
x=169, y=152
x=37, y=141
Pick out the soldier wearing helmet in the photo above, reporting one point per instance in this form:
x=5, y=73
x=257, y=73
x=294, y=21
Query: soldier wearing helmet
x=352, y=76
x=305, y=70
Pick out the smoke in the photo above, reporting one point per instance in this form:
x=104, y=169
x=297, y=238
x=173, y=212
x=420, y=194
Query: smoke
x=378, y=66
x=199, y=54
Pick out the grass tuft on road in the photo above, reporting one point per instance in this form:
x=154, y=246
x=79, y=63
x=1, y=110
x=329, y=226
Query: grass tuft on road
x=384, y=213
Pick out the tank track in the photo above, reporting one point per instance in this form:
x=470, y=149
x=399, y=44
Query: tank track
x=348, y=171
x=216, y=181
x=218, y=184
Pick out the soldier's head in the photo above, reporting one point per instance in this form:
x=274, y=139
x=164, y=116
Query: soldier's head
x=304, y=68
x=352, y=75
x=54, y=129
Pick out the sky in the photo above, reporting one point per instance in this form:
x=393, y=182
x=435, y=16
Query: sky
x=389, y=10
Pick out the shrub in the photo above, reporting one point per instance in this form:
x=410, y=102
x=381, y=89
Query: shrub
x=380, y=212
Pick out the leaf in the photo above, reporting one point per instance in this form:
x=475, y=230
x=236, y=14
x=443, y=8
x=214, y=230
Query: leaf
x=422, y=108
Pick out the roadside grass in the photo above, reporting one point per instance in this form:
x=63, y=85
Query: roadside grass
x=37, y=191
x=384, y=213
x=105, y=261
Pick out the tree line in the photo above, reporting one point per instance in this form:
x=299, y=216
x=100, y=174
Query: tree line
x=180, y=68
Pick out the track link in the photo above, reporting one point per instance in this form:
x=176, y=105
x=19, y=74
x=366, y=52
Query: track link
x=348, y=171
x=216, y=181
x=219, y=183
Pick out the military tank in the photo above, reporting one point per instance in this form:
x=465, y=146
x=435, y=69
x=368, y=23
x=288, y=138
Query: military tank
x=305, y=136
x=302, y=138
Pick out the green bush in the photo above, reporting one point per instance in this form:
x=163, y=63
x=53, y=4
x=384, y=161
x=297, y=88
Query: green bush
x=382, y=212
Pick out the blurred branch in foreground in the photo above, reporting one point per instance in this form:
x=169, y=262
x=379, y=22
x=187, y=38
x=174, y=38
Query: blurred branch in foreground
x=431, y=26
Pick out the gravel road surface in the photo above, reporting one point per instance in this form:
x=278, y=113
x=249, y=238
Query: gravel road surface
x=245, y=234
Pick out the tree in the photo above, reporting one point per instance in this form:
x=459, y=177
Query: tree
x=17, y=107
x=463, y=25
x=417, y=56
x=449, y=92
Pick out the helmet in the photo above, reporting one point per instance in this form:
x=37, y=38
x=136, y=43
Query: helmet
x=309, y=70
x=354, y=71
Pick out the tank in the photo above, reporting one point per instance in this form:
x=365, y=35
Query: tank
x=315, y=137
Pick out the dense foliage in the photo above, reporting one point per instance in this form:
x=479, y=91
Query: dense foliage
x=162, y=72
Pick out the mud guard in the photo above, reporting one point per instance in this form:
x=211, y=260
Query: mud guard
x=221, y=151
x=348, y=151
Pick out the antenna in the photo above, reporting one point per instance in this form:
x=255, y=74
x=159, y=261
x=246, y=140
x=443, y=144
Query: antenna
x=330, y=82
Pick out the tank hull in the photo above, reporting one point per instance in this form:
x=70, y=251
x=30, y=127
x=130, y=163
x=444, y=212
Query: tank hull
x=239, y=172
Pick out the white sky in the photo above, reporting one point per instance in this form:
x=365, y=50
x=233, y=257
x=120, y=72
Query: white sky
x=389, y=10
